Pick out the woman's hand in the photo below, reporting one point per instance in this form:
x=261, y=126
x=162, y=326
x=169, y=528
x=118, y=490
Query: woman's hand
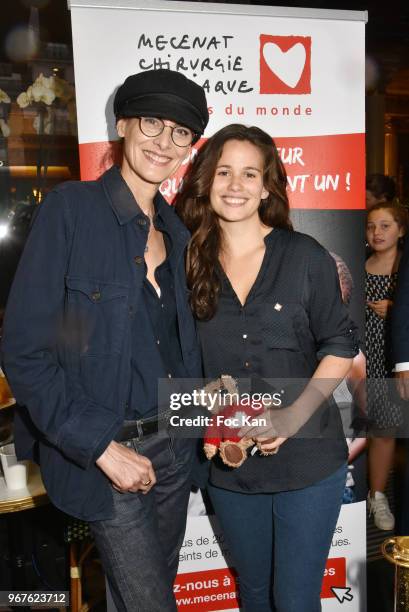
x=402, y=383
x=285, y=422
x=270, y=426
x=265, y=433
x=380, y=307
x=126, y=469
x=269, y=446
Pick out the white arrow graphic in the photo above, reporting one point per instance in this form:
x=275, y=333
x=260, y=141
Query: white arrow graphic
x=342, y=593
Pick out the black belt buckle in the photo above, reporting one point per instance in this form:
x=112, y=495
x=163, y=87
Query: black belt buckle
x=139, y=429
x=147, y=428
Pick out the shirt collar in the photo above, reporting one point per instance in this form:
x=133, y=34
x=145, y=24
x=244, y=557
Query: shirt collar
x=269, y=237
x=126, y=208
x=120, y=196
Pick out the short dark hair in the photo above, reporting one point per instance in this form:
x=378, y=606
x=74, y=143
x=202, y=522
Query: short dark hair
x=381, y=186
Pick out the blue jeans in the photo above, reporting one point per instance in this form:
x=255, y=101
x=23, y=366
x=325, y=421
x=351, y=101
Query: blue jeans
x=139, y=547
x=281, y=539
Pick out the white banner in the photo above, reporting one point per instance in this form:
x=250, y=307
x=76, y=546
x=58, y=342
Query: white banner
x=206, y=580
x=299, y=75
x=296, y=73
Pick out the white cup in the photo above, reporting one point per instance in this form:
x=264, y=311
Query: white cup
x=15, y=472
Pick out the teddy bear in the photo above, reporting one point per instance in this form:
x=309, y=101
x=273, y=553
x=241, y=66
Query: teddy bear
x=228, y=416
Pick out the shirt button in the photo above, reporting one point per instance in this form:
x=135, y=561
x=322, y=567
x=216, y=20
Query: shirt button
x=96, y=296
x=162, y=305
x=138, y=259
x=244, y=336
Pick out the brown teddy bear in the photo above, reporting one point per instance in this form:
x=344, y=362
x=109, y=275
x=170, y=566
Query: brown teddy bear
x=228, y=416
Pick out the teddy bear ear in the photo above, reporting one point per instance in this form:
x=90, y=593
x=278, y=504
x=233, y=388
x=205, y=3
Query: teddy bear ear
x=212, y=388
x=210, y=450
x=234, y=454
x=229, y=384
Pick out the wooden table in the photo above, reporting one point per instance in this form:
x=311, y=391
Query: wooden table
x=33, y=495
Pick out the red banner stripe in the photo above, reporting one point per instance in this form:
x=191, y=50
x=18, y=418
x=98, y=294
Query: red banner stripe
x=208, y=590
x=335, y=575
x=324, y=172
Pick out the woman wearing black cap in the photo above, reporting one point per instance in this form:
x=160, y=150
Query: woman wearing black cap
x=97, y=314
x=268, y=306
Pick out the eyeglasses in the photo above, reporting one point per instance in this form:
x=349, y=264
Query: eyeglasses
x=152, y=126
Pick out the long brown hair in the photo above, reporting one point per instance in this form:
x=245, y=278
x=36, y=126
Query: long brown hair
x=194, y=208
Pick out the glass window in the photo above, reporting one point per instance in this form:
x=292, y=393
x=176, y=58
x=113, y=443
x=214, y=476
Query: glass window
x=38, y=130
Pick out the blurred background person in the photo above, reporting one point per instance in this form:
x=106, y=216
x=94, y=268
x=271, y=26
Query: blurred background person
x=351, y=393
x=379, y=189
x=400, y=345
x=386, y=226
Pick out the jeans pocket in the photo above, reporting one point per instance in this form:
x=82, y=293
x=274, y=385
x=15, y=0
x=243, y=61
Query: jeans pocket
x=157, y=449
x=182, y=450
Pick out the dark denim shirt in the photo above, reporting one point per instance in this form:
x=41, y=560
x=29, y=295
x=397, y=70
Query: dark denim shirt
x=67, y=334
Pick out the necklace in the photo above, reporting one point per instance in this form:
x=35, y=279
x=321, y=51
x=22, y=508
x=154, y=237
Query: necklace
x=149, y=214
x=150, y=217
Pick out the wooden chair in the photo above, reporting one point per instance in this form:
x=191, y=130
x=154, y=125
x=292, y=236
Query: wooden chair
x=78, y=536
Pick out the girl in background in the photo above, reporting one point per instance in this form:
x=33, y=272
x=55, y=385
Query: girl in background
x=386, y=226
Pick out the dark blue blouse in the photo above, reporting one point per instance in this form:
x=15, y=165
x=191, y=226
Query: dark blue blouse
x=292, y=317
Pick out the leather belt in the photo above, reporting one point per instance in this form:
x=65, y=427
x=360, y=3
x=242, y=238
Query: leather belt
x=134, y=430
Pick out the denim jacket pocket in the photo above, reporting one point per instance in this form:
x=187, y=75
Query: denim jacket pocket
x=96, y=315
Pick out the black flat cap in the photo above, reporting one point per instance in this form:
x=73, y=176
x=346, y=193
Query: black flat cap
x=163, y=93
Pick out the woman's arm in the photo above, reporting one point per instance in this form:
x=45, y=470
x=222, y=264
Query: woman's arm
x=356, y=447
x=336, y=343
x=285, y=423
x=57, y=402
x=380, y=307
